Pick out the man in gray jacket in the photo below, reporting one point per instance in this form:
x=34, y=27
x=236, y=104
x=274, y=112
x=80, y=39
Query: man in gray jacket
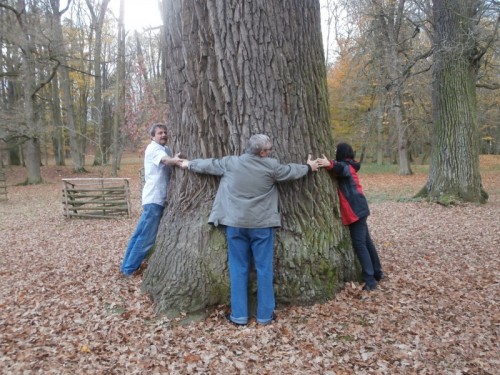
x=246, y=204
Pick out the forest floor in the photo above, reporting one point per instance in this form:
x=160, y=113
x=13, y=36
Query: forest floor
x=65, y=309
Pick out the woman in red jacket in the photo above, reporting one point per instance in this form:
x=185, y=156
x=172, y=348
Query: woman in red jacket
x=354, y=212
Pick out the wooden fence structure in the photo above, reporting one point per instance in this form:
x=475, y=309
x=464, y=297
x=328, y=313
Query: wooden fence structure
x=3, y=186
x=99, y=198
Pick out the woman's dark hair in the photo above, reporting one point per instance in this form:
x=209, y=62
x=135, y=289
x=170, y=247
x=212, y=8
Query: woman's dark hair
x=344, y=151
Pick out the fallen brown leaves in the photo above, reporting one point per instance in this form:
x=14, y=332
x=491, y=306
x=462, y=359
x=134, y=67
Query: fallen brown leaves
x=64, y=309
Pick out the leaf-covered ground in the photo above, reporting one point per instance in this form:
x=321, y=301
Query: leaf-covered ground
x=64, y=309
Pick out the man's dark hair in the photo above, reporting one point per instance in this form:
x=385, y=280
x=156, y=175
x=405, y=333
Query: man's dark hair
x=344, y=151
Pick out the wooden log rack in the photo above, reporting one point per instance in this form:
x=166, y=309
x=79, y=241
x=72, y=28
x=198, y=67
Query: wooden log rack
x=96, y=198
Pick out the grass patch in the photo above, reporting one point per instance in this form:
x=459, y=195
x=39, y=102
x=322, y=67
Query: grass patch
x=377, y=197
x=373, y=168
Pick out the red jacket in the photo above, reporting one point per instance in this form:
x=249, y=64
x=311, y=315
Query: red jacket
x=353, y=203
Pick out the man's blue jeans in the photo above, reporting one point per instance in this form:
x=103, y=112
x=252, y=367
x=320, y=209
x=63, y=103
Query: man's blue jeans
x=143, y=238
x=243, y=243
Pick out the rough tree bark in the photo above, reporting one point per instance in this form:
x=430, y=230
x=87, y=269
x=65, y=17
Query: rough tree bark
x=235, y=69
x=454, y=167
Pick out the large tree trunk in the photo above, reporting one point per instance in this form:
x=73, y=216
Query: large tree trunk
x=235, y=69
x=454, y=167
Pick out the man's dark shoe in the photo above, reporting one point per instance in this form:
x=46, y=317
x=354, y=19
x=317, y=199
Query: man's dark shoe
x=379, y=277
x=371, y=287
x=228, y=318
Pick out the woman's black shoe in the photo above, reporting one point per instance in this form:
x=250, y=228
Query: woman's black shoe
x=370, y=287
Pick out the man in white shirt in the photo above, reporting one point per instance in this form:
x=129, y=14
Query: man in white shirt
x=158, y=163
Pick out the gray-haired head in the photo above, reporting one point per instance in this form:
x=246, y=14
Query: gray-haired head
x=258, y=143
x=152, y=130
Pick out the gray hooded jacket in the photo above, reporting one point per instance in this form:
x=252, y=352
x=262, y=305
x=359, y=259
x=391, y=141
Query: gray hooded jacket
x=247, y=196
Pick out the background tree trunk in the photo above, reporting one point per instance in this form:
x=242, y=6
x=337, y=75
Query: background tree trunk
x=58, y=133
x=119, y=93
x=379, y=121
x=30, y=100
x=65, y=82
x=97, y=108
x=14, y=152
x=33, y=161
x=389, y=17
x=235, y=69
x=454, y=166
x=401, y=126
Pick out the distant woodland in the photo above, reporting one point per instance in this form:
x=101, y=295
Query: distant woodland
x=76, y=85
